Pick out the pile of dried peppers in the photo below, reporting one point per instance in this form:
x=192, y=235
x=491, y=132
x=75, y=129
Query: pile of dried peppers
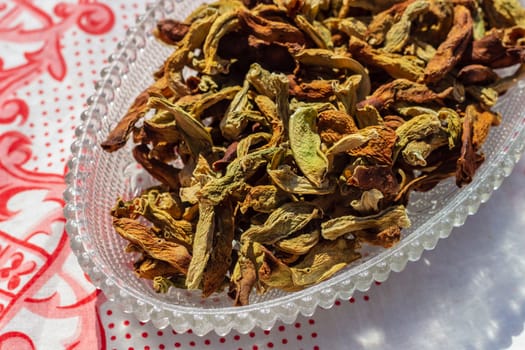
x=286, y=134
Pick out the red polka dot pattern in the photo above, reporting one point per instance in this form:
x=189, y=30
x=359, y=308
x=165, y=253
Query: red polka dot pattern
x=304, y=333
x=59, y=113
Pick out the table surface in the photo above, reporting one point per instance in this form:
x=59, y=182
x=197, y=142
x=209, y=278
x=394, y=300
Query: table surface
x=468, y=293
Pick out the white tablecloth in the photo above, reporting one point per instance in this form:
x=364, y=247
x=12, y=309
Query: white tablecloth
x=468, y=293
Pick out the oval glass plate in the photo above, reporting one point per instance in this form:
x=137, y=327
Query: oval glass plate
x=96, y=178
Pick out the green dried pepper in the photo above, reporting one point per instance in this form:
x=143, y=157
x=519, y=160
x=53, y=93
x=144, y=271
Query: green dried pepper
x=305, y=144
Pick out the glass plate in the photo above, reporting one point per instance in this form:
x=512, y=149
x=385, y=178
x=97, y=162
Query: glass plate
x=96, y=178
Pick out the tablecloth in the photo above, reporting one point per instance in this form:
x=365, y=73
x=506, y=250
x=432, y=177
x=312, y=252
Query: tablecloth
x=468, y=293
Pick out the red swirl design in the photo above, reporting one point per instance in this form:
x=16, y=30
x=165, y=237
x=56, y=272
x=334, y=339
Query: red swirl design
x=16, y=340
x=91, y=17
x=11, y=109
x=26, y=264
x=15, y=151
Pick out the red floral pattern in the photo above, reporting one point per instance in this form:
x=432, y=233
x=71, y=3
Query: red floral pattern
x=17, y=268
x=34, y=251
x=46, y=301
x=92, y=18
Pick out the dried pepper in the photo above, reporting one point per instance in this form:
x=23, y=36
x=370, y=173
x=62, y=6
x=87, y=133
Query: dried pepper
x=298, y=130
